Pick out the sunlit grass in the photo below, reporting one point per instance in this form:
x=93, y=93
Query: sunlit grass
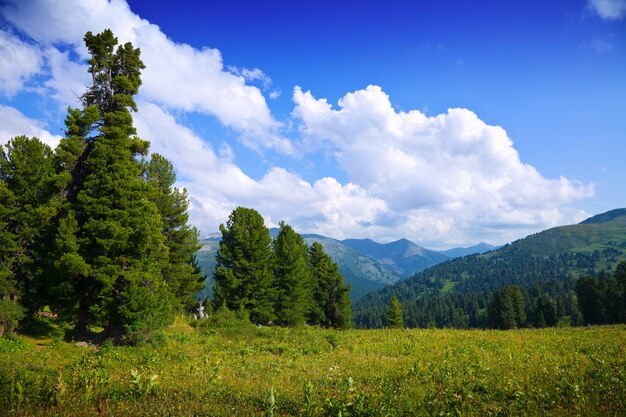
x=189, y=371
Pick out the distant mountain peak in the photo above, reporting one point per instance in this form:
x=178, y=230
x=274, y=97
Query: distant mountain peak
x=605, y=217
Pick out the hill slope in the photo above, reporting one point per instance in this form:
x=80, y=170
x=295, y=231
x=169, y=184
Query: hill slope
x=554, y=258
x=402, y=256
x=362, y=272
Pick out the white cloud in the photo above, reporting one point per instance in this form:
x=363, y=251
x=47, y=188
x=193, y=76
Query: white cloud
x=13, y=123
x=609, y=9
x=446, y=178
x=177, y=76
x=216, y=185
x=18, y=62
x=450, y=179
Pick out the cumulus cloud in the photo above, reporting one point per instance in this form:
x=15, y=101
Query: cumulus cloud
x=13, y=123
x=217, y=185
x=18, y=62
x=445, y=177
x=609, y=9
x=177, y=76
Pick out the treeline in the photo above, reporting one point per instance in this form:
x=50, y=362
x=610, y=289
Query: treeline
x=599, y=299
x=281, y=281
x=456, y=293
x=94, y=229
x=602, y=299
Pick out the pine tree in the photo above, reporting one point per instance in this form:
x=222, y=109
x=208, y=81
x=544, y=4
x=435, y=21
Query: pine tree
x=506, y=309
x=27, y=204
x=111, y=230
x=293, y=278
x=243, y=276
x=331, y=297
x=394, y=314
x=179, y=271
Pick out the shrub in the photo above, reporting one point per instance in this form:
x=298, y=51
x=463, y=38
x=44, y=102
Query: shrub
x=10, y=315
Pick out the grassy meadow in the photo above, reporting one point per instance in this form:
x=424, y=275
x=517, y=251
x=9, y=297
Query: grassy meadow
x=200, y=370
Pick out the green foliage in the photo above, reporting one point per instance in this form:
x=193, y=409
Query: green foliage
x=28, y=183
x=179, y=271
x=456, y=293
x=602, y=299
x=292, y=277
x=507, y=309
x=243, y=276
x=332, y=305
x=83, y=229
x=394, y=314
x=10, y=315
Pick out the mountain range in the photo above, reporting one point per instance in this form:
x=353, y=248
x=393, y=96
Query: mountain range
x=365, y=264
x=551, y=260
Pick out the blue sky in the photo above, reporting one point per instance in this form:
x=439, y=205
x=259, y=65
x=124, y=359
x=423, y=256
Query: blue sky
x=446, y=122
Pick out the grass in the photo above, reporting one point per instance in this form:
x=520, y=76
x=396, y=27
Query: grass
x=249, y=371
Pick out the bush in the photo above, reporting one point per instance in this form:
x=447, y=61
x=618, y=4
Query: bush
x=224, y=318
x=10, y=315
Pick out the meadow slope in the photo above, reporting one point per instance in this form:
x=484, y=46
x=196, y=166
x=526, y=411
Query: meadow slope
x=308, y=371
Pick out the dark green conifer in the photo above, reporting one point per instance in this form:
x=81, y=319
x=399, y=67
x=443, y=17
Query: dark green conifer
x=331, y=297
x=293, y=277
x=179, y=271
x=119, y=246
x=243, y=276
x=27, y=204
x=394, y=314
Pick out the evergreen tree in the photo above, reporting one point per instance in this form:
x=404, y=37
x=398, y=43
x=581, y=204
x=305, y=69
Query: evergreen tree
x=545, y=312
x=243, y=276
x=506, y=309
x=331, y=297
x=293, y=278
x=28, y=186
x=590, y=300
x=394, y=314
x=179, y=271
x=111, y=231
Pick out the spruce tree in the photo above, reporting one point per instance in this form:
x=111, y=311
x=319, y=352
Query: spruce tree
x=243, y=276
x=331, y=297
x=293, y=277
x=182, y=242
x=394, y=314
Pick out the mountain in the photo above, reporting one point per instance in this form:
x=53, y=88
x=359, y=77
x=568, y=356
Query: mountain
x=363, y=272
x=366, y=265
x=551, y=260
x=402, y=256
x=482, y=247
x=206, y=258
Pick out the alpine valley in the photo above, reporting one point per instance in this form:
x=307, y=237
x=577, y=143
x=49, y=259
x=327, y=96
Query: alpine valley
x=366, y=265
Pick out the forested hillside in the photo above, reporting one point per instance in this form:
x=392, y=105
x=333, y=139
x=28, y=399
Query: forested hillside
x=456, y=293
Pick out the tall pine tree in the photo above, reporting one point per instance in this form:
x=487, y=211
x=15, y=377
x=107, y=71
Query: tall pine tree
x=243, y=275
x=111, y=229
x=293, y=277
x=27, y=204
x=394, y=314
x=331, y=297
x=182, y=242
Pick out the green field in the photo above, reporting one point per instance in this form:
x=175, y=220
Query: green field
x=308, y=371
